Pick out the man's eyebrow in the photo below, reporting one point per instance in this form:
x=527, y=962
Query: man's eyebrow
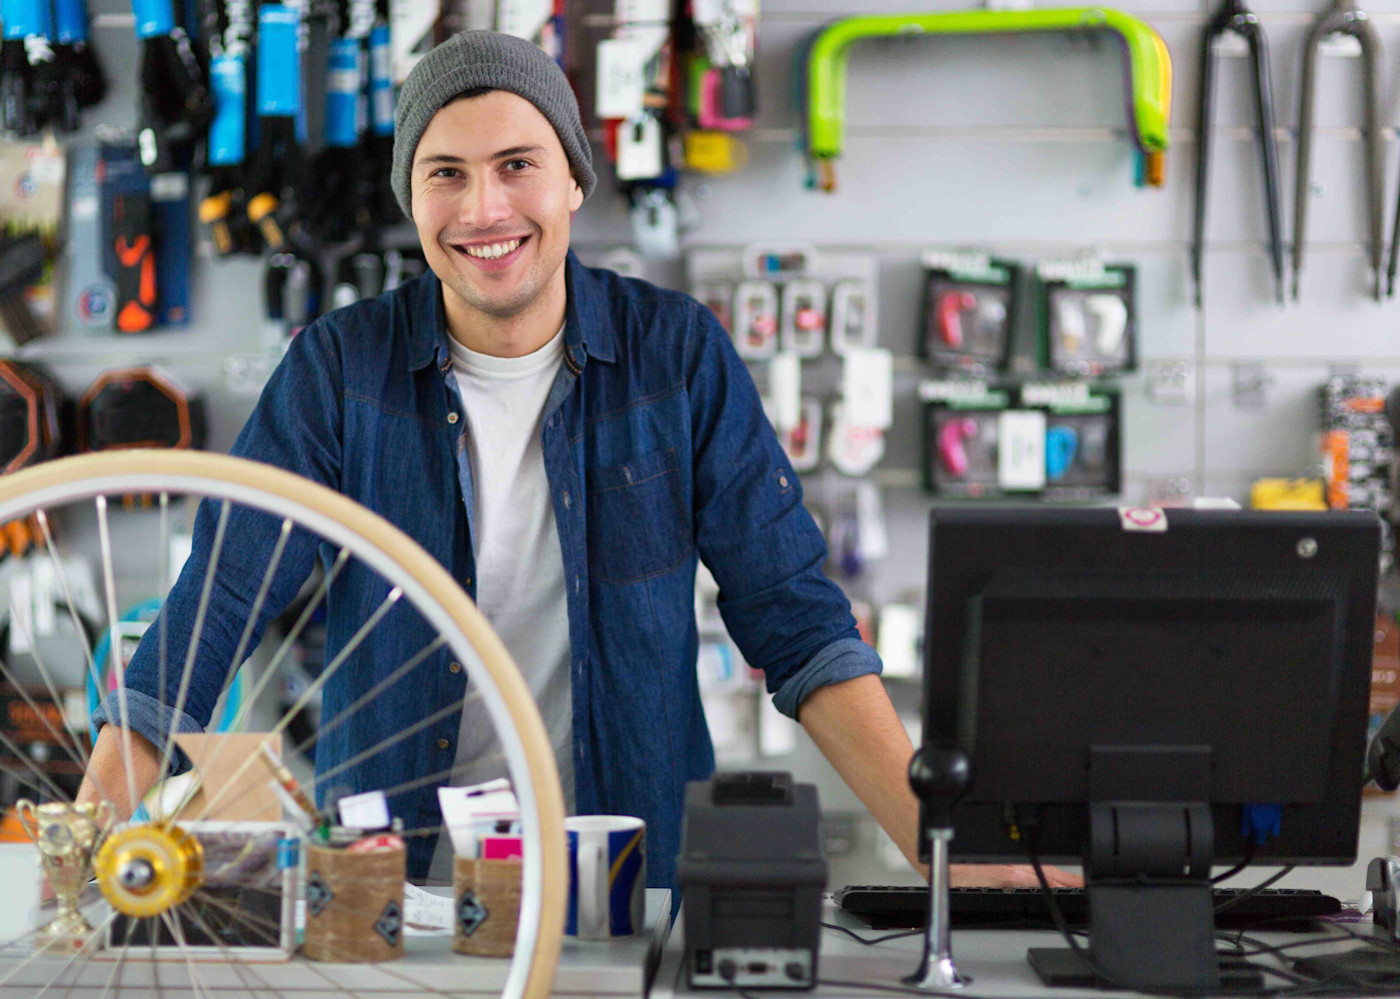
x=448, y=158
x=439, y=158
x=517, y=151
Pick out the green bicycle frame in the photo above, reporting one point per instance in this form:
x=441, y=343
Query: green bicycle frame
x=1148, y=63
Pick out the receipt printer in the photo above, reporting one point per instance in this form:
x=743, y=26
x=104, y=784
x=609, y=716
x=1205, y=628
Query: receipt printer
x=751, y=875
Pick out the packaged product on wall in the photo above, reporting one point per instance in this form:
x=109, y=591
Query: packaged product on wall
x=1082, y=439
x=1358, y=450
x=1087, y=316
x=31, y=202
x=963, y=439
x=969, y=310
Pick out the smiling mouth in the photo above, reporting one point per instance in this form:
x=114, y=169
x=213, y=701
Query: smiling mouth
x=491, y=251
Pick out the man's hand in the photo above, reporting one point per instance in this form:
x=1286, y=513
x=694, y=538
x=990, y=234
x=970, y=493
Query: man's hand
x=106, y=772
x=1009, y=876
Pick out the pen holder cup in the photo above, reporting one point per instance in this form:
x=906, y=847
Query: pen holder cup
x=354, y=904
x=486, y=894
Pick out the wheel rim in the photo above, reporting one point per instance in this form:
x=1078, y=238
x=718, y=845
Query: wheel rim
x=433, y=593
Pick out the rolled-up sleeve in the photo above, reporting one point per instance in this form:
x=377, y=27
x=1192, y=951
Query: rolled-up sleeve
x=758, y=540
x=152, y=719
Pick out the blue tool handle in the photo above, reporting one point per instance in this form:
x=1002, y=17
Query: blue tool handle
x=153, y=17
x=70, y=22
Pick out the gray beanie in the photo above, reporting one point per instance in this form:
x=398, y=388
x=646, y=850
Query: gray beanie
x=472, y=60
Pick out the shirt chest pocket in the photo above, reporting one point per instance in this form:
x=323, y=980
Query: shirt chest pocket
x=637, y=520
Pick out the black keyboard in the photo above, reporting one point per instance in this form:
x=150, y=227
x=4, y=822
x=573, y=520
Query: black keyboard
x=906, y=907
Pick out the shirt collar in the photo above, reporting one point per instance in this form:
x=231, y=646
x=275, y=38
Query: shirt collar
x=588, y=328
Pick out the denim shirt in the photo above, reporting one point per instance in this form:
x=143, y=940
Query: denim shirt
x=657, y=452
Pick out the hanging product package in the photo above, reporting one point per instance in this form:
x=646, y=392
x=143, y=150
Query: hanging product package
x=1088, y=316
x=969, y=311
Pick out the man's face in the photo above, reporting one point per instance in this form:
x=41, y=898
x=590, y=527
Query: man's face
x=492, y=196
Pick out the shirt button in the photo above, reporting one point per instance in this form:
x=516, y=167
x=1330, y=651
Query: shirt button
x=443, y=744
x=566, y=500
x=451, y=417
x=454, y=667
x=467, y=581
x=782, y=481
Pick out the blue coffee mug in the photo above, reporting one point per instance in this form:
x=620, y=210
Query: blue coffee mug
x=607, y=876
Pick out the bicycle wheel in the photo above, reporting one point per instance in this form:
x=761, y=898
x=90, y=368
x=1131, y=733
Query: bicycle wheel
x=86, y=484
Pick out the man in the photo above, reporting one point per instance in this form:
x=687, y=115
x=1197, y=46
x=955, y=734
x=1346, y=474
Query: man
x=567, y=443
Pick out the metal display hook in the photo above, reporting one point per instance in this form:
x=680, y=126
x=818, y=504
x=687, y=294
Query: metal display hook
x=1148, y=66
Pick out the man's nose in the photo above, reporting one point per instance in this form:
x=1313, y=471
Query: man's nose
x=485, y=202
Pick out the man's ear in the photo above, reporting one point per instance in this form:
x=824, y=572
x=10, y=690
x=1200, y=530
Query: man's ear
x=575, y=196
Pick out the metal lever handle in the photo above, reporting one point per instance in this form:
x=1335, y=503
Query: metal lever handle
x=937, y=972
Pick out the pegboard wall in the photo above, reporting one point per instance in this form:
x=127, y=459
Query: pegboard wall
x=1016, y=146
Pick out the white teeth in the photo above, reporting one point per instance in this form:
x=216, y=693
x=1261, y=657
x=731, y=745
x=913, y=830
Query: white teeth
x=492, y=250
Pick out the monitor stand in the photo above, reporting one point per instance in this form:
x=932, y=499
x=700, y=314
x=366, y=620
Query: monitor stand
x=1147, y=934
x=1147, y=875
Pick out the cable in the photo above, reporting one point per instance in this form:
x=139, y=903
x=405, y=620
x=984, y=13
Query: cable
x=1266, y=883
x=872, y=941
x=1250, y=847
x=1033, y=855
x=882, y=987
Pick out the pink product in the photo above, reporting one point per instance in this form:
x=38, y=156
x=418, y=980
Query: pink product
x=710, y=114
x=951, y=305
x=501, y=848
x=950, y=444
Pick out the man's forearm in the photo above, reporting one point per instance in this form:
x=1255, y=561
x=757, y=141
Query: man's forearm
x=855, y=726
x=106, y=772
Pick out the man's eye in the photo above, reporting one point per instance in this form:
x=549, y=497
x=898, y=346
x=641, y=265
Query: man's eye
x=515, y=166
x=445, y=172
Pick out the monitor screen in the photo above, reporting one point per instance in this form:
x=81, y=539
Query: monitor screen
x=1216, y=656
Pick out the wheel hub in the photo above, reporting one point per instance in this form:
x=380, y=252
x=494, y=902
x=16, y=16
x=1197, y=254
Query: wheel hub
x=145, y=870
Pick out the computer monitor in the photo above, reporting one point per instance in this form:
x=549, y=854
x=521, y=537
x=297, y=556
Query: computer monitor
x=1148, y=692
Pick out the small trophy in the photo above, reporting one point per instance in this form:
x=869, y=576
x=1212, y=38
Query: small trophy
x=67, y=836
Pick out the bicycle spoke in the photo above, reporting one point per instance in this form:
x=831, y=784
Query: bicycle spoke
x=41, y=951
x=449, y=773
x=114, y=652
x=62, y=742
x=283, y=537
x=86, y=954
x=230, y=959
x=18, y=621
x=78, y=627
x=369, y=696
x=152, y=931
x=162, y=617
x=261, y=925
x=178, y=935
x=288, y=642
x=192, y=653
x=394, y=739
x=44, y=778
x=207, y=762
x=121, y=962
x=311, y=690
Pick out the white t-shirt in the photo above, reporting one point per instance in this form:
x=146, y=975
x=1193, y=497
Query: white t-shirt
x=519, y=564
